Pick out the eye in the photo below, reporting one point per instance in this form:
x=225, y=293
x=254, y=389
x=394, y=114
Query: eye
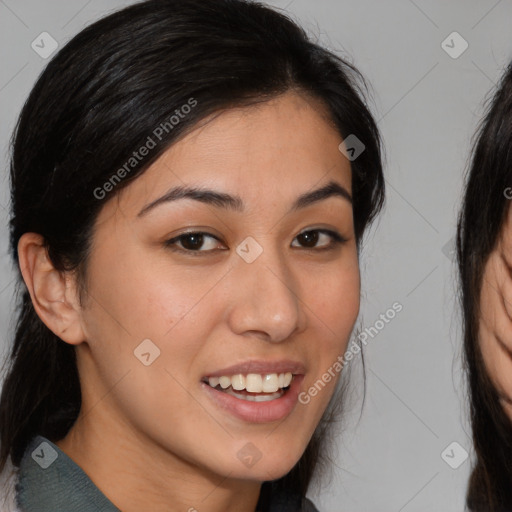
x=199, y=243
x=196, y=241
x=328, y=239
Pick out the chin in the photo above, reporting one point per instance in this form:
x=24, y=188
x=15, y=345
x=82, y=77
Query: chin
x=269, y=467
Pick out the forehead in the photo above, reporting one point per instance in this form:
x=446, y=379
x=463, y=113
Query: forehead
x=265, y=153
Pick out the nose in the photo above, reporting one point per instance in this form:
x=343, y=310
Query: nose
x=265, y=299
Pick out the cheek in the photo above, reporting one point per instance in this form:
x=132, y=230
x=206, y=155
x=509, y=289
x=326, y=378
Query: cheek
x=334, y=299
x=334, y=302
x=135, y=300
x=495, y=342
x=165, y=306
x=497, y=360
x=498, y=365
x=495, y=328
x=173, y=310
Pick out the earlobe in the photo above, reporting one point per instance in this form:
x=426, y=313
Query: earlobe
x=53, y=292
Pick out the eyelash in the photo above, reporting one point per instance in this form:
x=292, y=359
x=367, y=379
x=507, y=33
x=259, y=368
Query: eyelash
x=336, y=240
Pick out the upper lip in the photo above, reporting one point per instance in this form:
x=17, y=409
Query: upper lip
x=261, y=367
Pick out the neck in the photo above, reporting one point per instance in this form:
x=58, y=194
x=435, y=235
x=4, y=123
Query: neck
x=135, y=473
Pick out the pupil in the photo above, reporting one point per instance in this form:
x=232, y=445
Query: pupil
x=310, y=238
x=195, y=238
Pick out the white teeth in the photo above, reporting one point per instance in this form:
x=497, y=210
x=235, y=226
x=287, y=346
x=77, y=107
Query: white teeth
x=238, y=382
x=224, y=382
x=253, y=382
x=270, y=383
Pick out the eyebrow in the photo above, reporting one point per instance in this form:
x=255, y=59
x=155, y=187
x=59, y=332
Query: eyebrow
x=235, y=203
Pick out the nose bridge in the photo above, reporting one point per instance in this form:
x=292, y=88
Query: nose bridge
x=267, y=298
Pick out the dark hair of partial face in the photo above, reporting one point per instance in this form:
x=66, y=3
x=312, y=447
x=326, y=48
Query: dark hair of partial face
x=96, y=102
x=480, y=224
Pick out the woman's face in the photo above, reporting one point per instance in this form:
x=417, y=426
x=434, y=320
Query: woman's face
x=165, y=317
x=496, y=316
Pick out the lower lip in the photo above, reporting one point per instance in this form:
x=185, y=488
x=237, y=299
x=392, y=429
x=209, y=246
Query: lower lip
x=258, y=412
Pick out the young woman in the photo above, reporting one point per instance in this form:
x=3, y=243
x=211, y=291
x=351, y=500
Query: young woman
x=191, y=181
x=485, y=263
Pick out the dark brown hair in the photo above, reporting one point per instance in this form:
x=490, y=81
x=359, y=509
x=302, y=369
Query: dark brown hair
x=479, y=228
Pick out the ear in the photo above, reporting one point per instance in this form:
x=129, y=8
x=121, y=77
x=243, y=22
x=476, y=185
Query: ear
x=53, y=292
x=495, y=322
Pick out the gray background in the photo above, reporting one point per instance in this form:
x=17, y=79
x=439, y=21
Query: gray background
x=428, y=105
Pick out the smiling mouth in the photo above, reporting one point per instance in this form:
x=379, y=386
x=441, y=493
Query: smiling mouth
x=253, y=387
